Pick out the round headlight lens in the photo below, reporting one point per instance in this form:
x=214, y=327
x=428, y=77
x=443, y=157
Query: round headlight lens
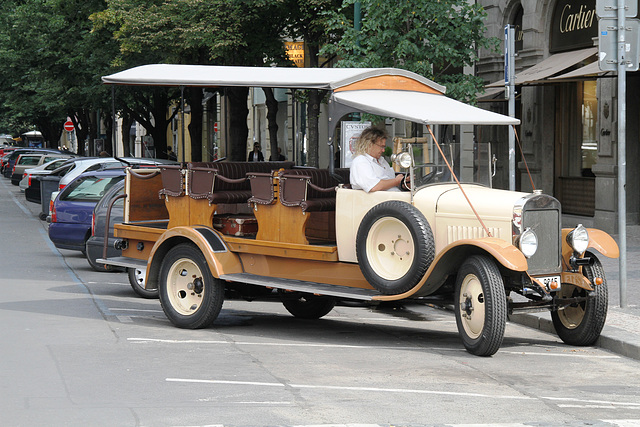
x=528, y=243
x=403, y=160
x=578, y=239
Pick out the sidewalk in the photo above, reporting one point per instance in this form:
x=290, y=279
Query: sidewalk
x=621, y=333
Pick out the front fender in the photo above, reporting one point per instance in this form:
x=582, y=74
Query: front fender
x=598, y=240
x=219, y=258
x=451, y=257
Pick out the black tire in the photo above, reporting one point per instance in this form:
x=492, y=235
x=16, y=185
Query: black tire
x=581, y=324
x=42, y=216
x=136, y=280
x=306, y=306
x=480, y=305
x=394, y=246
x=190, y=296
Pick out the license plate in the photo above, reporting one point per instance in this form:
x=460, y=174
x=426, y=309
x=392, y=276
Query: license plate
x=551, y=283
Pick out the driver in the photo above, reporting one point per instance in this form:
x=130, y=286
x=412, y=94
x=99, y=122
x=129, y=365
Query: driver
x=369, y=170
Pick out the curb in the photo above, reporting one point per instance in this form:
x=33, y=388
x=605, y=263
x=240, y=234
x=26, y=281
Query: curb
x=612, y=339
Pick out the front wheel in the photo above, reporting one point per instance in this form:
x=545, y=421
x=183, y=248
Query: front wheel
x=581, y=323
x=480, y=305
x=136, y=280
x=190, y=296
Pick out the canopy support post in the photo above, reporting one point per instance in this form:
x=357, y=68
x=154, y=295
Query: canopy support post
x=182, y=120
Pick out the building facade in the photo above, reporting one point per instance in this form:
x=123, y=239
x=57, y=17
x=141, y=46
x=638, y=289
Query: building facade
x=567, y=108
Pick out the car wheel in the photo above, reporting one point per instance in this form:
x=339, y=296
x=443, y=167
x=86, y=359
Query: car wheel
x=581, y=323
x=136, y=280
x=394, y=246
x=480, y=305
x=306, y=306
x=190, y=296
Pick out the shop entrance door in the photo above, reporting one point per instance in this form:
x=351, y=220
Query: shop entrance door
x=576, y=147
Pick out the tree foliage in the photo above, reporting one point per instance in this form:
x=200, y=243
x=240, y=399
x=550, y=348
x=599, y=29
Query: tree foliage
x=52, y=63
x=204, y=32
x=433, y=38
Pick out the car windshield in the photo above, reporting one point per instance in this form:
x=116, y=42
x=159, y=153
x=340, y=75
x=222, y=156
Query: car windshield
x=472, y=164
x=89, y=188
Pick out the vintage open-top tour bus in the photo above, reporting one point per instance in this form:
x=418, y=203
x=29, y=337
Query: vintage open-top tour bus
x=485, y=252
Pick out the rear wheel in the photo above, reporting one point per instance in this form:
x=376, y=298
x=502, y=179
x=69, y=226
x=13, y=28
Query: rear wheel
x=480, y=305
x=190, y=296
x=581, y=323
x=306, y=306
x=136, y=280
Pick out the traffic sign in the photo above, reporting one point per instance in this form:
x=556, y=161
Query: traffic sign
x=215, y=126
x=609, y=8
x=68, y=126
x=608, y=44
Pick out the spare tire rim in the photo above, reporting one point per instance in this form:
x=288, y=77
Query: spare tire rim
x=390, y=248
x=185, y=286
x=472, y=307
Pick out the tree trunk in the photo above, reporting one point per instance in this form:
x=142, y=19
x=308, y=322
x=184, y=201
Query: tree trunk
x=237, y=122
x=272, y=121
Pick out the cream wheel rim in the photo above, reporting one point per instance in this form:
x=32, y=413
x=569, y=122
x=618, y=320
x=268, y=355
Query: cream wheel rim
x=472, y=307
x=185, y=286
x=390, y=248
x=572, y=315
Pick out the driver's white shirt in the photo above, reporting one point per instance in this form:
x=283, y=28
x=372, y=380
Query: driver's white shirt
x=366, y=172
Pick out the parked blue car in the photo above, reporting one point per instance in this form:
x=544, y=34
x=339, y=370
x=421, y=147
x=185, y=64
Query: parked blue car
x=70, y=226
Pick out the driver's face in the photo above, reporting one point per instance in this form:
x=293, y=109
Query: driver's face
x=377, y=148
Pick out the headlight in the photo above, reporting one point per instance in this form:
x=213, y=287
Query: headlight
x=403, y=159
x=578, y=239
x=528, y=243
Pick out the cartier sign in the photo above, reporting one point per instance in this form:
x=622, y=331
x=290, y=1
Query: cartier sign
x=574, y=25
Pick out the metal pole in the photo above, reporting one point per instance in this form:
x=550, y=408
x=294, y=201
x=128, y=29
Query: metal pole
x=182, y=120
x=113, y=119
x=510, y=88
x=622, y=157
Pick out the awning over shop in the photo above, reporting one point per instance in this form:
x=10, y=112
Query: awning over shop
x=550, y=66
x=592, y=69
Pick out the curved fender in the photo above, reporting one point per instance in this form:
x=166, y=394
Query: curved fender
x=219, y=258
x=450, y=258
x=598, y=240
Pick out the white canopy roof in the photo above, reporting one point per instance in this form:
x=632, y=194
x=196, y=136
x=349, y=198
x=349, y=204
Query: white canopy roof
x=388, y=92
x=427, y=108
x=281, y=77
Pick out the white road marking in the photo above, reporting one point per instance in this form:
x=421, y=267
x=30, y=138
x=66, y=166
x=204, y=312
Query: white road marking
x=349, y=388
x=579, y=403
x=137, y=310
x=587, y=356
x=271, y=344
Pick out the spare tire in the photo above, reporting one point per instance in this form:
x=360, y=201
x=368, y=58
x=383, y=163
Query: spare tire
x=394, y=246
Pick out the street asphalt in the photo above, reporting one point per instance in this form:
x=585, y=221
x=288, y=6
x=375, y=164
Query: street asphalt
x=621, y=333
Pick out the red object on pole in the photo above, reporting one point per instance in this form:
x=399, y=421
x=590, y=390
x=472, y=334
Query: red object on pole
x=68, y=126
x=215, y=126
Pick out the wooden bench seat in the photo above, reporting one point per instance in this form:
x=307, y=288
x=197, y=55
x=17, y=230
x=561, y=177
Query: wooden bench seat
x=287, y=200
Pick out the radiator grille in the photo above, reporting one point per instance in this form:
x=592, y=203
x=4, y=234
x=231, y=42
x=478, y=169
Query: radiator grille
x=546, y=225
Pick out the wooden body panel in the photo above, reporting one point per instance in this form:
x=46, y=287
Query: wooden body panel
x=335, y=273
x=143, y=202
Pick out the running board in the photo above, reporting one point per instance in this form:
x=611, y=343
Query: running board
x=302, y=286
x=122, y=261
